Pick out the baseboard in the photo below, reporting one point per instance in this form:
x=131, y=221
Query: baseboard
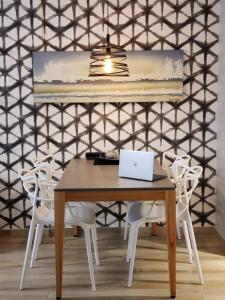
x=23, y=232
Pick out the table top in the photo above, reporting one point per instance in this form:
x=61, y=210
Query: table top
x=83, y=175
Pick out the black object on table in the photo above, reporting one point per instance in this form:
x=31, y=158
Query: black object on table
x=106, y=161
x=94, y=155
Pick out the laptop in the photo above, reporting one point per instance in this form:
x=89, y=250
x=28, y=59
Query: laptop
x=137, y=165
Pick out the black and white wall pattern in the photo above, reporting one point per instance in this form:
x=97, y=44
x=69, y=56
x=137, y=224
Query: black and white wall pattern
x=28, y=130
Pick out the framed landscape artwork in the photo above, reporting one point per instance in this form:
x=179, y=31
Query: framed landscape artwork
x=63, y=77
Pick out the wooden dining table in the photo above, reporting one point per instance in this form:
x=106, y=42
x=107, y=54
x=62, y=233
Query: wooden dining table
x=84, y=181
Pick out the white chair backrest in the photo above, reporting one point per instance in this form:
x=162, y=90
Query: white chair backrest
x=44, y=177
x=191, y=178
x=35, y=183
x=48, y=159
x=43, y=171
x=30, y=185
x=169, y=158
x=178, y=169
x=186, y=180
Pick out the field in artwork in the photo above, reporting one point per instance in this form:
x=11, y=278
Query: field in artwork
x=136, y=90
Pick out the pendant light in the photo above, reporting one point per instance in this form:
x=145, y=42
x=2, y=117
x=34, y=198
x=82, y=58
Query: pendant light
x=108, y=59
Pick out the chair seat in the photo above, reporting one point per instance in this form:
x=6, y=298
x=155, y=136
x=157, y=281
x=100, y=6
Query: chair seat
x=140, y=210
x=82, y=213
x=46, y=216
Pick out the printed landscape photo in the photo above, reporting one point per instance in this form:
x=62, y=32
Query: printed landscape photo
x=154, y=75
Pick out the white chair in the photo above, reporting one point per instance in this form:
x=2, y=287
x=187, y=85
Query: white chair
x=45, y=171
x=46, y=191
x=139, y=213
x=168, y=159
x=49, y=174
x=167, y=162
x=42, y=215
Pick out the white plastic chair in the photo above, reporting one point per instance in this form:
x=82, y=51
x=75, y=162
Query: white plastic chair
x=139, y=213
x=168, y=159
x=42, y=215
x=48, y=176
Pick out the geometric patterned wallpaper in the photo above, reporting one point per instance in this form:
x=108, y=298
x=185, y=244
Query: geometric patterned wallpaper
x=28, y=130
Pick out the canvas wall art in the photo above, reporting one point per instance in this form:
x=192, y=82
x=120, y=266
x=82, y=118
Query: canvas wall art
x=154, y=75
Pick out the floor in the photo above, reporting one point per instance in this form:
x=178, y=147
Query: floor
x=150, y=279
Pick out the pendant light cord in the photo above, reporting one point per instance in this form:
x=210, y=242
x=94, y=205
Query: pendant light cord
x=108, y=35
x=107, y=3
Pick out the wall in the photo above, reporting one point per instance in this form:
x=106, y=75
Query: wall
x=28, y=130
x=220, y=196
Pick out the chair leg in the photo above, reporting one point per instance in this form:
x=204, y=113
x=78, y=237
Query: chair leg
x=75, y=231
x=39, y=238
x=27, y=253
x=194, y=247
x=154, y=229
x=129, y=244
x=94, y=239
x=89, y=255
x=178, y=231
x=126, y=229
x=134, y=235
x=187, y=240
x=37, y=241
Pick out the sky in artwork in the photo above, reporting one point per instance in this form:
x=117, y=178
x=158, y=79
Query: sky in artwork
x=73, y=66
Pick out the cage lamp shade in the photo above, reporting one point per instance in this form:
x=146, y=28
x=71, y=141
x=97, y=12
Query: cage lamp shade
x=108, y=60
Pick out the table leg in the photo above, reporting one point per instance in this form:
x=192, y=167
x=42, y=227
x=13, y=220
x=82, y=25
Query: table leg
x=75, y=231
x=154, y=229
x=170, y=201
x=59, y=198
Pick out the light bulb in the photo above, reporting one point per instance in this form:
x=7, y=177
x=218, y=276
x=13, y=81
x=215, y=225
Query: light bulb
x=108, y=65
